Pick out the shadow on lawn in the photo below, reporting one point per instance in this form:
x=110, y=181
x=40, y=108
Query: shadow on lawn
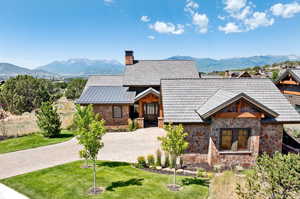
x=112, y=164
x=64, y=135
x=117, y=184
x=196, y=181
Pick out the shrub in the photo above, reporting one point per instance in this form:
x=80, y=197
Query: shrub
x=150, y=160
x=132, y=125
x=75, y=88
x=48, y=120
x=167, y=160
x=201, y=173
x=141, y=162
x=218, y=168
x=239, y=168
x=158, y=158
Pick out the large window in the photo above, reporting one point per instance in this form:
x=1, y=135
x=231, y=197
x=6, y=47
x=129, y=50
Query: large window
x=234, y=139
x=117, y=111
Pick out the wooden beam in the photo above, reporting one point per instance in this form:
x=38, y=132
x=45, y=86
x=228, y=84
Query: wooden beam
x=289, y=82
x=238, y=115
x=291, y=92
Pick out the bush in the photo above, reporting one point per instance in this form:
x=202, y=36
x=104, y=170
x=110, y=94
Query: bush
x=75, y=88
x=150, y=160
x=141, y=162
x=167, y=160
x=158, y=158
x=132, y=125
x=201, y=173
x=48, y=120
x=218, y=168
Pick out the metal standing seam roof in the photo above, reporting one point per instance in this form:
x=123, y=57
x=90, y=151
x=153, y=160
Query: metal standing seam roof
x=150, y=72
x=106, y=95
x=105, y=80
x=182, y=97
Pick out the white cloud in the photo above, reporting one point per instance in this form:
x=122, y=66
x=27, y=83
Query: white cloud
x=145, y=19
x=201, y=22
x=221, y=17
x=108, y=1
x=285, y=10
x=258, y=19
x=230, y=28
x=167, y=28
x=242, y=14
x=151, y=37
x=234, y=5
x=191, y=6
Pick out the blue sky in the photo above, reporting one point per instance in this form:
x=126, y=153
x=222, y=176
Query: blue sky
x=36, y=32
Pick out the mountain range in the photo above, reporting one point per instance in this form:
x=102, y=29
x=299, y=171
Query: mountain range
x=85, y=67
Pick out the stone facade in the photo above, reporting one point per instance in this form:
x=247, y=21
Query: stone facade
x=204, y=142
x=106, y=112
x=271, y=138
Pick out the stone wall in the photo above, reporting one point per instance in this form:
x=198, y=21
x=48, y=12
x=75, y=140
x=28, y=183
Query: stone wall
x=271, y=138
x=228, y=159
x=198, y=138
x=105, y=112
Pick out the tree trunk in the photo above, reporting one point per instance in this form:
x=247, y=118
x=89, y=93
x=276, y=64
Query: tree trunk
x=175, y=176
x=94, y=176
x=175, y=160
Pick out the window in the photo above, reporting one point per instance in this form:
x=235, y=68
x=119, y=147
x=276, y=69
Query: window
x=234, y=139
x=117, y=111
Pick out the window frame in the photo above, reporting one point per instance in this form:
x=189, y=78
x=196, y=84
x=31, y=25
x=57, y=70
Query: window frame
x=234, y=139
x=113, y=111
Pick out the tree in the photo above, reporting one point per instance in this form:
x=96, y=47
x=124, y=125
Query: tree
x=75, y=88
x=274, y=75
x=91, y=141
x=276, y=177
x=174, y=142
x=84, y=116
x=48, y=120
x=25, y=93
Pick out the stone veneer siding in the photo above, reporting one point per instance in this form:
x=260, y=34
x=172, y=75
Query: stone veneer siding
x=271, y=138
x=105, y=112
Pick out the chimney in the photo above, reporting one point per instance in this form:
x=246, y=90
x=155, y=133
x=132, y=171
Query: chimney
x=129, y=59
x=227, y=73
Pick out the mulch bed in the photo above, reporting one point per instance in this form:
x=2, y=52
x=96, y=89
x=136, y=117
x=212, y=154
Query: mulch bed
x=98, y=190
x=160, y=171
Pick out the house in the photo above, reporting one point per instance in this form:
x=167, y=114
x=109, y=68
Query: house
x=289, y=85
x=237, y=74
x=229, y=121
x=136, y=93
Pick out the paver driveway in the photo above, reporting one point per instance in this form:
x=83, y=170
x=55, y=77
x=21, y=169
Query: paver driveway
x=117, y=147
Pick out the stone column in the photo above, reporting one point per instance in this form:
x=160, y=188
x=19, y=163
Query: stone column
x=161, y=122
x=140, y=122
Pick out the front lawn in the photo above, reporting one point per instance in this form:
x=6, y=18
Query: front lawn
x=32, y=141
x=120, y=180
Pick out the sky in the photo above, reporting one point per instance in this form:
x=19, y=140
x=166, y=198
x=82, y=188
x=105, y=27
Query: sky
x=36, y=32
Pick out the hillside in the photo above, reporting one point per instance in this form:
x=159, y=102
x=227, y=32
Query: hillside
x=9, y=70
x=84, y=67
x=208, y=64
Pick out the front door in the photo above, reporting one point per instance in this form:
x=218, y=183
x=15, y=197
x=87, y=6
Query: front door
x=151, y=111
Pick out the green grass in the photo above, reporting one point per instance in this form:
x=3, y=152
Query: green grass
x=120, y=180
x=32, y=141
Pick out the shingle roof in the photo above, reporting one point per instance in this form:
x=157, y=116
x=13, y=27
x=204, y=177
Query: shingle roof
x=150, y=72
x=181, y=97
x=146, y=92
x=106, y=95
x=105, y=80
x=221, y=99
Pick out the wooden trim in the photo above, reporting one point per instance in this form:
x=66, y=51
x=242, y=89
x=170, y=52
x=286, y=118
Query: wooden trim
x=239, y=115
x=291, y=92
x=289, y=82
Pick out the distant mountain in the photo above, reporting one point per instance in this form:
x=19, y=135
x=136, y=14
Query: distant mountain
x=82, y=67
x=209, y=65
x=9, y=70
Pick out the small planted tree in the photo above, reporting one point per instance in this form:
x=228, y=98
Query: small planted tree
x=276, y=177
x=84, y=154
x=83, y=117
x=174, y=143
x=92, y=141
x=48, y=120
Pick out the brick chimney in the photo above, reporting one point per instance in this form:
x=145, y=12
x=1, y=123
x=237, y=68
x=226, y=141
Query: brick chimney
x=129, y=59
